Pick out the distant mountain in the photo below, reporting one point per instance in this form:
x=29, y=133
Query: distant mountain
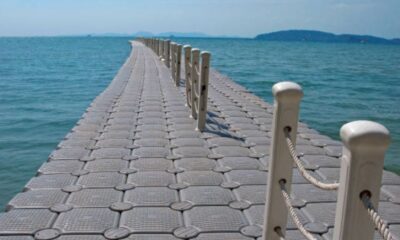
x=163, y=35
x=109, y=35
x=396, y=40
x=181, y=34
x=143, y=34
x=318, y=36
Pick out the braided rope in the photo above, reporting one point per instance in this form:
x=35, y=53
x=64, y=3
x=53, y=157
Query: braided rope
x=293, y=214
x=380, y=225
x=302, y=169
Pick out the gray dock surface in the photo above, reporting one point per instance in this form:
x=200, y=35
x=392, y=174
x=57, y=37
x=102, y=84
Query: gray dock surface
x=135, y=168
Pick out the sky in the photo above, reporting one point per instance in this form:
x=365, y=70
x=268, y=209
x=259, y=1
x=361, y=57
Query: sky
x=245, y=18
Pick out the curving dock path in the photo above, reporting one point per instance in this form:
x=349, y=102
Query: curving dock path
x=135, y=168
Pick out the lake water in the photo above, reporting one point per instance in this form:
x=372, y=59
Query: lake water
x=47, y=83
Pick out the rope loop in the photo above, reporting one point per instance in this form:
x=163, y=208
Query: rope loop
x=293, y=214
x=380, y=225
x=302, y=169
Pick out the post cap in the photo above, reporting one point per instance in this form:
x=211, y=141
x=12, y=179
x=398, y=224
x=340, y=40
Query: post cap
x=187, y=46
x=195, y=50
x=287, y=91
x=205, y=53
x=366, y=134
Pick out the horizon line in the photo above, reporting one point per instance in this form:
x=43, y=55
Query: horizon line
x=206, y=35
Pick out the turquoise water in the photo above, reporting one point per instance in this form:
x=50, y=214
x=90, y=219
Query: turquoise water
x=341, y=82
x=45, y=86
x=47, y=83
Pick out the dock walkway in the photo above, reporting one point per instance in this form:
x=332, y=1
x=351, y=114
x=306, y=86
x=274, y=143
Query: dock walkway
x=134, y=167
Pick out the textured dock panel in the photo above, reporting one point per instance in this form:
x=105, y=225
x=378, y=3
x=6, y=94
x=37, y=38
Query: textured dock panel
x=25, y=221
x=151, y=219
x=86, y=220
x=214, y=219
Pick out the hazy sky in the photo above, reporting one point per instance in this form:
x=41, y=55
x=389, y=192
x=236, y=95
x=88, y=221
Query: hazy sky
x=218, y=17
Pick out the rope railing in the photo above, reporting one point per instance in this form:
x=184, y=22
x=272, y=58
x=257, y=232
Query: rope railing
x=197, y=71
x=365, y=143
x=293, y=214
x=303, y=171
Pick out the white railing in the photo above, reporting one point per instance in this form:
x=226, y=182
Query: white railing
x=168, y=52
x=365, y=143
x=197, y=71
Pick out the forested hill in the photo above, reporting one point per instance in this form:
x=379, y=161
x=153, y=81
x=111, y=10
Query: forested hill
x=318, y=36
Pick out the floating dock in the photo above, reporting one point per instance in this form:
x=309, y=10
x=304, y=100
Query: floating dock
x=134, y=167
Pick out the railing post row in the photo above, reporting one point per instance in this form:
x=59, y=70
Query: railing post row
x=365, y=143
x=287, y=101
x=197, y=70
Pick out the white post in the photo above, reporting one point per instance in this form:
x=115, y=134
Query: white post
x=178, y=64
x=173, y=61
x=188, y=71
x=365, y=143
x=194, y=76
x=160, y=48
x=162, y=56
x=286, y=112
x=203, y=91
x=167, y=50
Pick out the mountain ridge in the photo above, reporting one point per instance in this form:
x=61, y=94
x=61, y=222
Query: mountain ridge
x=163, y=35
x=320, y=36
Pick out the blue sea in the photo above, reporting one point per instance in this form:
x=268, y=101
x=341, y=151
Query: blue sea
x=47, y=83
